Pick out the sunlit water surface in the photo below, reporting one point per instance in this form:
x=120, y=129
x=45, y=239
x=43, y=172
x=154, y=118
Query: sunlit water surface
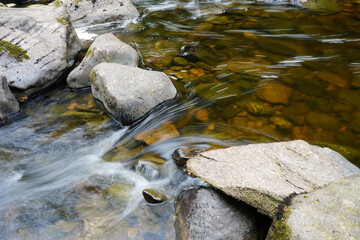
x=248, y=73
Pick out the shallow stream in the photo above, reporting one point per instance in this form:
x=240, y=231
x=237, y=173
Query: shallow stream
x=246, y=73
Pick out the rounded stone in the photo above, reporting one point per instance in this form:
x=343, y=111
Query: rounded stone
x=153, y=197
x=274, y=93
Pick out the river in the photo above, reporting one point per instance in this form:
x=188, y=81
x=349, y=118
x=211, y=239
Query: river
x=245, y=72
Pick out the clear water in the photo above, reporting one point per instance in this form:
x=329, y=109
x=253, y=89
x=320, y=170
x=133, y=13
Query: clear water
x=254, y=73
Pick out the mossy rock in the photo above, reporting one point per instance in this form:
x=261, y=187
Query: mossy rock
x=13, y=51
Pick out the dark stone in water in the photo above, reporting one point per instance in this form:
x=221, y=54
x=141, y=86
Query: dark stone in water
x=153, y=197
x=310, y=87
x=322, y=120
x=203, y=53
x=223, y=92
x=181, y=155
x=204, y=213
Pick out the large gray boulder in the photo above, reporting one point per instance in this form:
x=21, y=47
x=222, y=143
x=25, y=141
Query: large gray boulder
x=204, y=213
x=332, y=212
x=8, y=104
x=85, y=13
x=105, y=48
x=128, y=93
x=37, y=45
x=266, y=175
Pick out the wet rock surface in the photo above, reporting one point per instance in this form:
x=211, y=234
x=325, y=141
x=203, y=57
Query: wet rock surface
x=153, y=196
x=330, y=212
x=203, y=213
x=38, y=44
x=105, y=48
x=181, y=155
x=128, y=93
x=264, y=175
x=87, y=12
x=8, y=104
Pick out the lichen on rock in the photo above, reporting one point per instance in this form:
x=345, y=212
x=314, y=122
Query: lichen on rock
x=13, y=51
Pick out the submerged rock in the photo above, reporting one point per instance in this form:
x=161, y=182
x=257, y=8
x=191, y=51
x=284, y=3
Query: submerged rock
x=38, y=44
x=8, y=104
x=162, y=133
x=322, y=120
x=274, y=93
x=219, y=92
x=265, y=175
x=330, y=212
x=201, y=53
x=105, y=48
x=89, y=12
x=204, y=213
x=128, y=93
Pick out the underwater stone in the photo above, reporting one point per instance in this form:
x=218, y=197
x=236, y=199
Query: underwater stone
x=105, y=48
x=162, y=133
x=295, y=113
x=333, y=78
x=281, y=123
x=180, y=61
x=310, y=87
x=349, y=96
x=320, y=105
x=274, y=92
x=129, y=93
x=229, y=111
x=322, y=120
x=264, y=175
x=47, y=46
x=219, y=92
x=162, y=62
x=259, y=108
x=203, y=53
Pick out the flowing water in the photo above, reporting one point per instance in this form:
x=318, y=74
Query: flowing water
x=245, y=72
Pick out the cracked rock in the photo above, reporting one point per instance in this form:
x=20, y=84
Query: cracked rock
x=265, y=175
x=37, y=45
x=89, y=12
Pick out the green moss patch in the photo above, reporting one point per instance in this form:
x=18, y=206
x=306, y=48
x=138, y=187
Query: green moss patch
x=280, y=229
x=13, y=51
x=62, y=21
